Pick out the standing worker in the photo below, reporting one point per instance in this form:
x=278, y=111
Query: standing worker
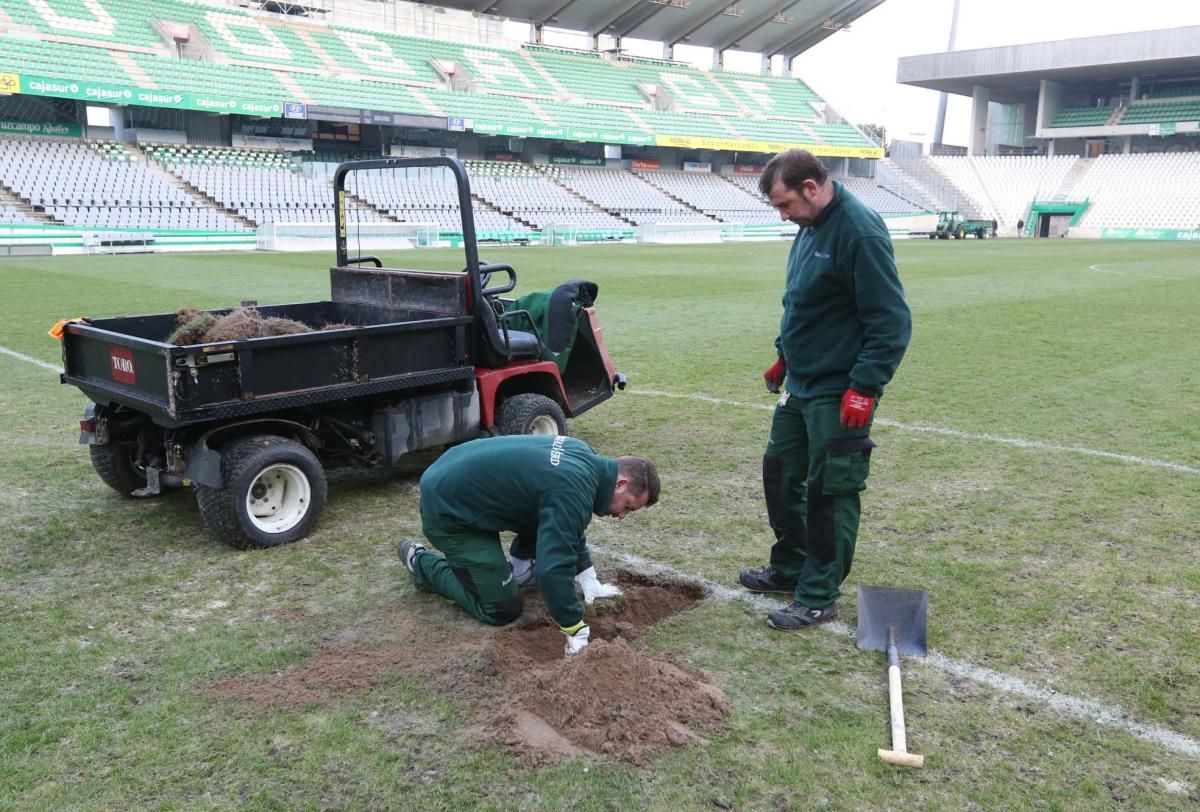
x=544, y=488
x=844, y=329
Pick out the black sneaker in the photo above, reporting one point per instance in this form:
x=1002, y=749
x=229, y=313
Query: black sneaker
x=408, y=551
x=796, y=616
x=766, y=579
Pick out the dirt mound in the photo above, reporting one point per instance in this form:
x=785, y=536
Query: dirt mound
x=196, y=327
x=610, y=701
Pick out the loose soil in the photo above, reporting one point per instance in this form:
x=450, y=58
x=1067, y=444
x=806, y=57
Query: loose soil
x=196, y=327
x=610, y=701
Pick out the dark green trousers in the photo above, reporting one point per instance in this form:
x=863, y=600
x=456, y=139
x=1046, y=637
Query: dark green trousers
x=474, y=572
x=813, y=472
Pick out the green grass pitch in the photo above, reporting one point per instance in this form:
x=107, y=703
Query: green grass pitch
x=1038, y=472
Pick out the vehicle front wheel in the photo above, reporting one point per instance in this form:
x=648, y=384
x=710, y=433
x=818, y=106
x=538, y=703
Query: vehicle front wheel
x=530, y=413
x=274, y=491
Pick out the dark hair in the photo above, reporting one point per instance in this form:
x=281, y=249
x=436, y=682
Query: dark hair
x=642, y=476
x=792, y=168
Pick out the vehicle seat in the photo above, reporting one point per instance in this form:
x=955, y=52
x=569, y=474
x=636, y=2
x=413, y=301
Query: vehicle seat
x=498, y=346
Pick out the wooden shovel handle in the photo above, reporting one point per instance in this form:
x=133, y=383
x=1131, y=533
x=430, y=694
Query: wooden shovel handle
x=899, y=754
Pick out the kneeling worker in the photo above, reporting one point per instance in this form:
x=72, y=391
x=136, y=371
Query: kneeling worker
x=545, y=489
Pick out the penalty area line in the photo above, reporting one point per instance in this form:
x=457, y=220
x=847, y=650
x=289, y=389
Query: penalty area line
x=1015, y=442
x=29, y=359
x=1064, y=704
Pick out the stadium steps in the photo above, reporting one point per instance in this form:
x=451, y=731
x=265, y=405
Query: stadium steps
x=545, y=74
x=153, y=165
x=362, y=202
x=13, y=200
x=739, y=105
x=293, y=87
x=1077, y=173
x=647, y=179
x=612, y=212
x=930, y=172
x=431, y=107
x=489, y=205
x=907, y=172
x=538, y=112
x=993, y=211
x=1115, y=117
x=891, y=179
x=139, y=76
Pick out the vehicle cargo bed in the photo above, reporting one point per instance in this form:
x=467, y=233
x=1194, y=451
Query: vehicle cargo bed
x=127, y=360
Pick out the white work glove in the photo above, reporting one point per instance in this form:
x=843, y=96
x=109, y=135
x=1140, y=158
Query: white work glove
x=577, y=637
x=592, y=588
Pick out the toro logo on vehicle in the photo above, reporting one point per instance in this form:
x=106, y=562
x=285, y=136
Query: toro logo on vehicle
x=122, y=365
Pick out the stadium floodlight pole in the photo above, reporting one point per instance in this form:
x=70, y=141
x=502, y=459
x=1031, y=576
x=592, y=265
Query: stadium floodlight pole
x=939, y=129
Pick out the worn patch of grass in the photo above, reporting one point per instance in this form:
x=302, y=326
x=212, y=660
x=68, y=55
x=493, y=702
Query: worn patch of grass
x=1073, y=572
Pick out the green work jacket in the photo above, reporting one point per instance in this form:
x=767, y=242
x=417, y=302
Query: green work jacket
x=540, y=487
x=845, y=322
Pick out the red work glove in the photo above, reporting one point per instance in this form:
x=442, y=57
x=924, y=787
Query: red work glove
x=774, y=375
x=856, y=409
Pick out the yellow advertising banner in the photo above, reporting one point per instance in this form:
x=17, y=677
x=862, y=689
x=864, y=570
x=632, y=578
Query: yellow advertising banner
x=10, y=83
x=741, y=145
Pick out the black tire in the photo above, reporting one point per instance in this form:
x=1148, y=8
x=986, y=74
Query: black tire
x=531, y=414
x=960, y=234
x=115, y=466
x=283, y=477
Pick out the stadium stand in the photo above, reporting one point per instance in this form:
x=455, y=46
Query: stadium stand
x=877, y=197
x=933, y=184
x=1083, y=116
x=636, y=200
x=771, y=96
x=261, y=185
x=92, y=184
x=11, y=214
x=1122, y=195
x=123, y=53
x=1144, y=113
x=426, y=197
x=712, y=194
x=256, y=58
x=534, y=198
x=1012, y=182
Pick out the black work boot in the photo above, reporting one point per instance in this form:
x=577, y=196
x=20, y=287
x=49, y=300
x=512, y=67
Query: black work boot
x=766, y=579
x=796, y=616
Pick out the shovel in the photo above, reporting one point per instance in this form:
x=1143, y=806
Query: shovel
x=893, y=620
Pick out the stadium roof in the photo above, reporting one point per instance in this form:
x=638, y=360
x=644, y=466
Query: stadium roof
x=1014, y=72
x=769, y=27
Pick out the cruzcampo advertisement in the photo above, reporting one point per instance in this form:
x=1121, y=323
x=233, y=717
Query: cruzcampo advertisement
x=41, y=128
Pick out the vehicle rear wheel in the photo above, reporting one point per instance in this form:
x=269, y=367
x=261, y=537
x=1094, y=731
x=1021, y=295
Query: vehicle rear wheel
x=274, y=491
x=529, y=413
x=115, y=465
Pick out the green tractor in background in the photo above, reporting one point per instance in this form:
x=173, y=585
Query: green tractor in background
x=952, y=224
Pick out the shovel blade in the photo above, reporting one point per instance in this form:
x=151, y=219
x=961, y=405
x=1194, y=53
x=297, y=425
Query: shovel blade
x=884, y=607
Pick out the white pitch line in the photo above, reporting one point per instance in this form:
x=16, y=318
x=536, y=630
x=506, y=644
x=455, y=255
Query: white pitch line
x=1016, y=442
x=1091, y=711
x=30, y=359
x=1101, y=269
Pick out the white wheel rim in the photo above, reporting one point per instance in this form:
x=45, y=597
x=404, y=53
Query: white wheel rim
x=543, y=424
x=278, y=498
